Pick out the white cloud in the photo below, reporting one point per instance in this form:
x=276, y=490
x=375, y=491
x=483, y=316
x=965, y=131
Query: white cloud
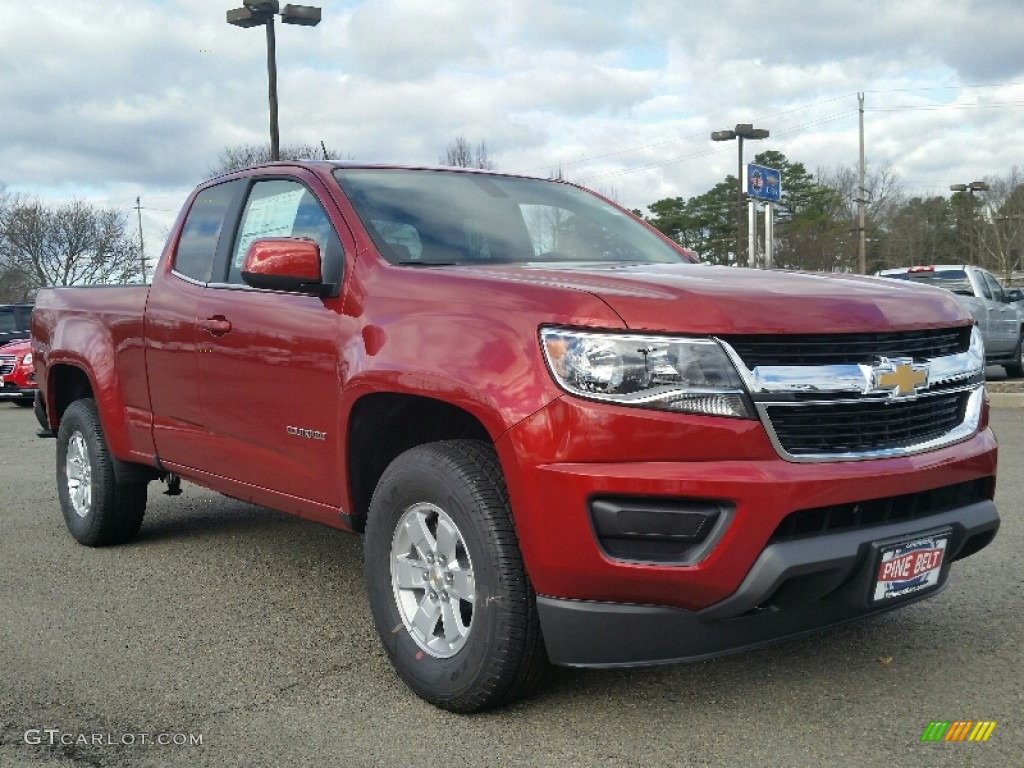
x=119, y=99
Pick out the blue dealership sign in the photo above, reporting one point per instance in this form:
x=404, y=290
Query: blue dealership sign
x=763, y=183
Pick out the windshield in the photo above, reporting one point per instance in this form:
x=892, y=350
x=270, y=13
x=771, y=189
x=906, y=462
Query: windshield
x=446, y=217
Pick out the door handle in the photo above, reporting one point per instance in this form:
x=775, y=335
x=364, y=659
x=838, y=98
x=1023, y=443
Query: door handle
x=217, y=325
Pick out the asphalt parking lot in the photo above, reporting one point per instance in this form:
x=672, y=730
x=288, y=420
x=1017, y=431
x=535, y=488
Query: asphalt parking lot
x=248, y=630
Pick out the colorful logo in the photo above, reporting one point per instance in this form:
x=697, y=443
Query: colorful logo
x=899, y=377
x=958, y=730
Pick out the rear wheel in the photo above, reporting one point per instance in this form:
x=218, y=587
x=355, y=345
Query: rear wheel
x=98, y=510
x=449, y=594
x=1015, y=370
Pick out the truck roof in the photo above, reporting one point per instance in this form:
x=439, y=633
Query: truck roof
x=326, y=166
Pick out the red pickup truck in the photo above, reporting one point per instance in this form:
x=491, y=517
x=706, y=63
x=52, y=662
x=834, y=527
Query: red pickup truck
x=561, y=440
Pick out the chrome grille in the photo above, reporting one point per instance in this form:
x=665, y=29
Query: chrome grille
x=826, y=428
x=6, y=364
x=845, y=397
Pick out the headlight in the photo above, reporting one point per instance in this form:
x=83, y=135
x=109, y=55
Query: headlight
x=976, y=352
x=27, y=360
x=665, y=373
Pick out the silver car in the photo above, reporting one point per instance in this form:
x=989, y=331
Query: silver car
x=1000, y=321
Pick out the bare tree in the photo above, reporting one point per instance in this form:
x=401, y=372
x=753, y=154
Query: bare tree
x=461, y=154
x=73, y=244
x=1000, y=227
x=884, y=201
x=248, y=155
x=882, y=190
x=14, y=284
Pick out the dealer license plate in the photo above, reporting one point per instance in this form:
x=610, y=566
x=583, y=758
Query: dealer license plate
x=909, y=567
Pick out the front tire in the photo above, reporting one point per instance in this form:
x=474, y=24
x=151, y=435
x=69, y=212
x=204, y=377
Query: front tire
x=98, y=510
x=450, y=597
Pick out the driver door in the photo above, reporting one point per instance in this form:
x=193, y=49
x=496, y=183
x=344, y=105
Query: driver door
x=268, y=360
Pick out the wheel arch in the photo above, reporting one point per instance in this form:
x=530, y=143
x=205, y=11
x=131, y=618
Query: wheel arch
x=67, y=382
x=385, y=424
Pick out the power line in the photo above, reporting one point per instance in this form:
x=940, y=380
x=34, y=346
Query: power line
x=794, y=129
x=712, y=151
x=943, y=88
x=937, y=107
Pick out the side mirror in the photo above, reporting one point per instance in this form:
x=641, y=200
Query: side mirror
x=285, y=264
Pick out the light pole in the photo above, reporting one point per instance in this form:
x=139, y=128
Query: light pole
x=741, y=132
x=970, y=189
x=254, y=14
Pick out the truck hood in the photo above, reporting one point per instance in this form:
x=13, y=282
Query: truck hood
x=685, y=298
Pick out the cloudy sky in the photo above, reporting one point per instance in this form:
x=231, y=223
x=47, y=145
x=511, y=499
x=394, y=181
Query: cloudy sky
x=109, y=100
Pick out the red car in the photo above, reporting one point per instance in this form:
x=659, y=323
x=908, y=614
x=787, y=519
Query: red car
x=17, y=376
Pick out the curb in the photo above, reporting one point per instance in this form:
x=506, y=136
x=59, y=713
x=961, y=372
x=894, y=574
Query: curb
x=1006, y=399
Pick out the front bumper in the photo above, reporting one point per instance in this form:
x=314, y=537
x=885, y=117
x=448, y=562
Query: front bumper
x=10, y=390
x=794, y=588
x=759, y=582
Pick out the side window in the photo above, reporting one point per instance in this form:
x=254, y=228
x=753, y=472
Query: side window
x=197, y=247
x=994, y=287
x=281, y=208
x=979, y=279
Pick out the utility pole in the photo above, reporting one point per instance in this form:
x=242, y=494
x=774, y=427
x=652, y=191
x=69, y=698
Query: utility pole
x=862, y=257
x=142, y=245
x=275, y=133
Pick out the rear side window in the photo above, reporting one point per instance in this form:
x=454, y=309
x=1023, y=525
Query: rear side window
x=955, y=280
x=197, y=247
x=15, y=321
x=23, y=317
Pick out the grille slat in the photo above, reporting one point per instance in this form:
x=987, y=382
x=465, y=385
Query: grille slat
x=893, y=509
x=811, y=429
x=6, y=364
x=849, y=348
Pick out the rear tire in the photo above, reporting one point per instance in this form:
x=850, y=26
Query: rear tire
x=450, y=597
x=1015, y=370
x=98, y=510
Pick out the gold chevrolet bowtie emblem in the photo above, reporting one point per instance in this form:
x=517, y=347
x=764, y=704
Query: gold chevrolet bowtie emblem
x=900, y=377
